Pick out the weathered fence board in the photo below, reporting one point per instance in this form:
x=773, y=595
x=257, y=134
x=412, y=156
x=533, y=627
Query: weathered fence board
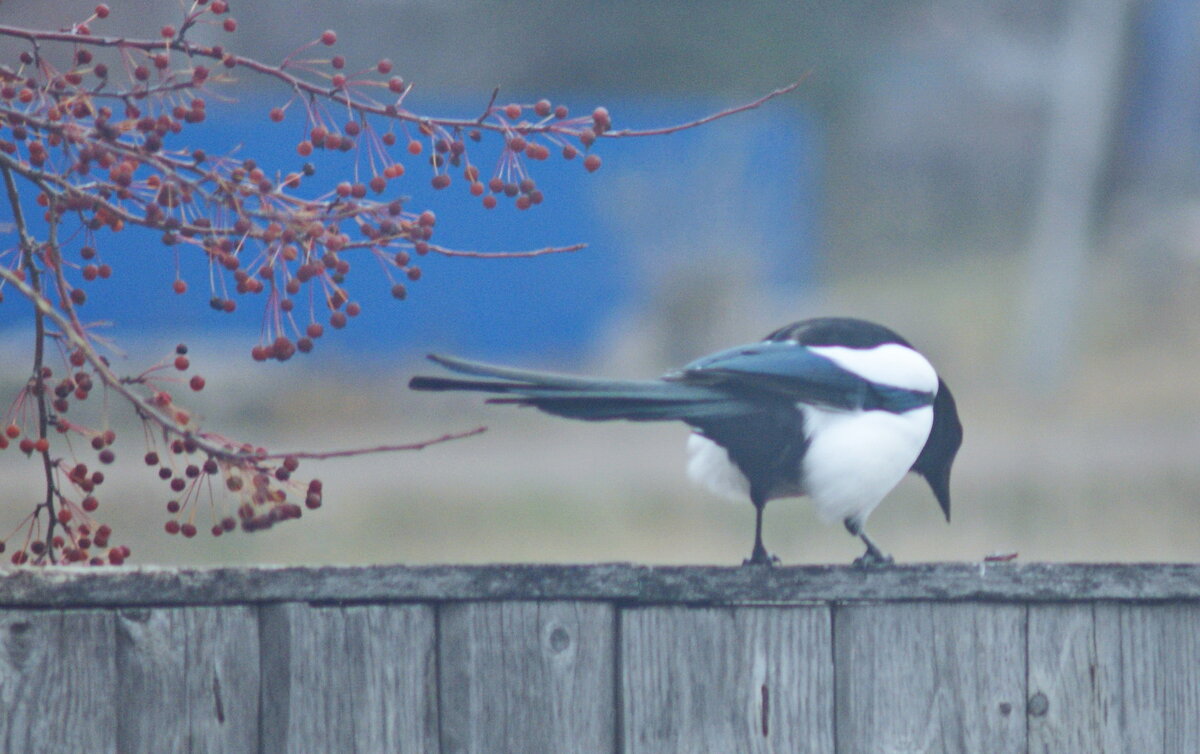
x=526, y=676
x=608, y=658
x=187, y=679
x=1114, y=677
x=630, y=584
x=926, y=677
x=354, y=678
x=720, y=679
x=57, y=681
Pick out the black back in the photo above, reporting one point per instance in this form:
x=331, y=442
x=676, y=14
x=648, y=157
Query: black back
x=838, y=331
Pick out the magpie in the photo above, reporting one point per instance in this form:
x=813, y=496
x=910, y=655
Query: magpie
x=835, y=408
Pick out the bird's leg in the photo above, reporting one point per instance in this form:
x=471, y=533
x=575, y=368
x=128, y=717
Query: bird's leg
x=759, y=555
x=873, y=556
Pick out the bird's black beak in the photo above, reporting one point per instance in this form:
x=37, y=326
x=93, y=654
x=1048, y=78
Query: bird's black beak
x=940, y=484
x=945, y=438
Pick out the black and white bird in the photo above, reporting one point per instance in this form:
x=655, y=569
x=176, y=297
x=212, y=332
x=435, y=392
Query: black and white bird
x=834, y=408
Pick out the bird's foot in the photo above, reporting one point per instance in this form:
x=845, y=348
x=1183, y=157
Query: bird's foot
x=760, y=556
x=873, y=559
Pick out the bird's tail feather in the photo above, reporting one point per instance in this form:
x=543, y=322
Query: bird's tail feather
x=584, y=397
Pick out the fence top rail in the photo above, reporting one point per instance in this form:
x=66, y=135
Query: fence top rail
x=618, y=582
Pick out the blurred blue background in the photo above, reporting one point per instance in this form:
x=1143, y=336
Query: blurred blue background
x=1012, y=185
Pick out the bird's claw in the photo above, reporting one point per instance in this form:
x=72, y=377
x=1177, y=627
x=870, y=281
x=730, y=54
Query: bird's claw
x=871, y=559
x=763, y=558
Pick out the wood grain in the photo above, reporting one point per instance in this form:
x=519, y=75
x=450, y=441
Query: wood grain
x=751, y=679
x=58, y=681
x=527, y=677
x=348, y=679
x=187, y=679
x=1115, y=678
x=630, y=584
x=928, y=677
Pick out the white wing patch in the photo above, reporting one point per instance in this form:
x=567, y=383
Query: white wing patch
x=888, y=364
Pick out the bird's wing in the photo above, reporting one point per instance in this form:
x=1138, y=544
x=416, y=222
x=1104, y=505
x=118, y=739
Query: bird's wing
x=788, y=370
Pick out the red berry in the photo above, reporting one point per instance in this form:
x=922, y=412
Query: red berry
x=182, y=363
x=512, y=111
x=89, y=504
x=229, y=25
x=13, y=431
x=106, y=456
x=489, y=202
x=561, y=112
x=337, y=320
x=167, y=31
x=414, y=273
x=542, y=108
x=172, y=527
x=102, y=11
x=179, y=286
x=396, y=84
x=276, y=114
x=378, y=184
x=592, y=163
x=601, y=119
x=196, y=383
x=384, y=66
x=329, y=37
x=441, y=181
x=414, y=147
x=63, y=515
x=188, y=530
x=41, y=445
x=304, y=148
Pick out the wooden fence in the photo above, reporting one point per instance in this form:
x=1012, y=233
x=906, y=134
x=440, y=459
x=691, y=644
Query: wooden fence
x=918, y=658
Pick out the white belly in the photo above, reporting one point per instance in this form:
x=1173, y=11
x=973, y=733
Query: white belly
x=856, y=457
x=853, y=461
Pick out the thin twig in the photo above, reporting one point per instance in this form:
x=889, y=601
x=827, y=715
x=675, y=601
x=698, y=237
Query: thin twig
x=507, y=254
x=709, y=118
x=343, y=96
x=379, y=448
x=488, y=110
x=29, y=264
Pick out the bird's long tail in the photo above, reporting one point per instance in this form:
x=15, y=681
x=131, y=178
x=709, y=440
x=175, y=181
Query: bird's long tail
x=584, y=397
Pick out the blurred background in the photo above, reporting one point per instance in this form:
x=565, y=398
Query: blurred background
x=1013, y=186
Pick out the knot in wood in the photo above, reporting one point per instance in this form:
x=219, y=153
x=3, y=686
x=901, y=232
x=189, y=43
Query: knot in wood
x=1039, y=705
